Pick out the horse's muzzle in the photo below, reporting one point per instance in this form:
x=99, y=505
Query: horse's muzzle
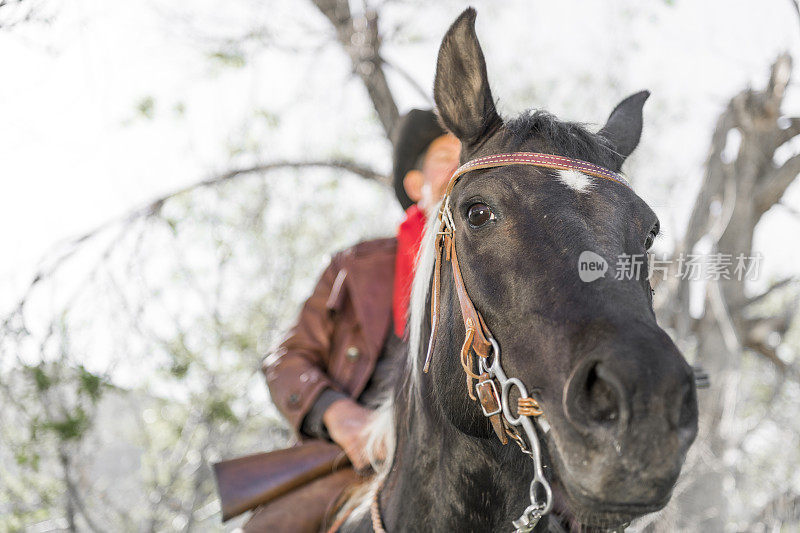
x=633, y=402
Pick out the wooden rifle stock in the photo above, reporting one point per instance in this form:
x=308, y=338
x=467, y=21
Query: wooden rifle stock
x=247, y=482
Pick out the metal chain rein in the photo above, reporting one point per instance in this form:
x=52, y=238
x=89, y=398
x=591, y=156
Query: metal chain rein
x=537, y=509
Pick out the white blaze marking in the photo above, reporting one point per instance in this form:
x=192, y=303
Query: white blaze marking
x=575, y=180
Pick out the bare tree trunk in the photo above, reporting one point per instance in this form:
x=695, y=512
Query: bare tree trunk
x=362, y=42
x=741, y=184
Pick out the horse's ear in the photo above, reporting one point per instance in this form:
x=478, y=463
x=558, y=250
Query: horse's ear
x=461, y=89
x=624, y=126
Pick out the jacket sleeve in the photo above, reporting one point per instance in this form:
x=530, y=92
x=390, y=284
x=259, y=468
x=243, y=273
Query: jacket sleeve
x=313, y=424
x=296, y=371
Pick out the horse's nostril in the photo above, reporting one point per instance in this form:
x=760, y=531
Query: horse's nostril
x=595, y=396
x=601, y=403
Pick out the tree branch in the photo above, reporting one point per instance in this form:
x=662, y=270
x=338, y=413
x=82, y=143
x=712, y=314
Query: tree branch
x=789, y=132
x=771, y=188
x=757, y=338
x=779, y=77
x=782, y=508
x=772, y=288
x=362, y=42
x=796, y=6
x=73, y=494
x=16, y=12
x=712, y=186
x=154, y=206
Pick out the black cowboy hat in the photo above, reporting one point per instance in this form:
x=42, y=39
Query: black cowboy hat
x=414, y=132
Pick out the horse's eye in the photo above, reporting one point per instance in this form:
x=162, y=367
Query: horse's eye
x=479, y=214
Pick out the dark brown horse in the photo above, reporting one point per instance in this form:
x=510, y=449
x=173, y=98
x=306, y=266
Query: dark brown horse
x=618, y=398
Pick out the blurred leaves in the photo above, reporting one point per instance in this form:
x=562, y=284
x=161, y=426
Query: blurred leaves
x=40, y=378
x=146, y=107
x=219, y=410
x=90, y=384
x=150, y=369
x=72, y=427
x=229, y=58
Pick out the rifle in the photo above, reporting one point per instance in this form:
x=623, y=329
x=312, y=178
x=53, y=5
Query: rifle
x=247, y=482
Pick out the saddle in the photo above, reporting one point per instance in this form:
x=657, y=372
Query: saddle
x=310, y=508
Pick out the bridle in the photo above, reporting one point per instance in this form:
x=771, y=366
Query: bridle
x=478, y=339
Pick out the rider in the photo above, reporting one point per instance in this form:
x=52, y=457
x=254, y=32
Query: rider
x=328, y=373
x=331, y=370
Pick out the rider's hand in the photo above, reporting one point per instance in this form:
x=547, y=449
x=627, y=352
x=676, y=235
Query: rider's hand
x=346, y=421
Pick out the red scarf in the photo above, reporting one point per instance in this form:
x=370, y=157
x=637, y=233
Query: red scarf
x=409, y=236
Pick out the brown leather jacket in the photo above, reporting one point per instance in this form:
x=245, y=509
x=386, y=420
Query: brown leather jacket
x=339, y=333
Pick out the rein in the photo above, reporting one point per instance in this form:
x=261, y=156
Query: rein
x=478, y=339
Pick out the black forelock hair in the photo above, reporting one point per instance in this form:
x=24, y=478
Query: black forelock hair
x=568, y=139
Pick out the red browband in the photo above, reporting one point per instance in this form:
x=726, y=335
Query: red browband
x=556, y=162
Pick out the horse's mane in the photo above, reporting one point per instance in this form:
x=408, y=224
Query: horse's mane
x=381, y=431
x=420, y=288
x=569, y=139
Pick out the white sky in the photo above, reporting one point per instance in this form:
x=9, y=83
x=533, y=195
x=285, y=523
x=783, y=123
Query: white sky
x=73, y=154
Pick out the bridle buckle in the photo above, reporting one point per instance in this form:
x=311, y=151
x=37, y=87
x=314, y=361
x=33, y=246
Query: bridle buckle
x=488, y=397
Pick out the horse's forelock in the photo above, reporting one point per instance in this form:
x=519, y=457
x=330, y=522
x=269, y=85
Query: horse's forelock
x=569, y=139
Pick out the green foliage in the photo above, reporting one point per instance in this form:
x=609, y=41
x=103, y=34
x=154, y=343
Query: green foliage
x=229, y=57
x=146, y=107
x=219, y=410
x=180, y=369
x=28, y=459
x=181, y=358
x=72, y=427
x=272, y=120
x=19, y=521
x=90, y=384
x=40, y=377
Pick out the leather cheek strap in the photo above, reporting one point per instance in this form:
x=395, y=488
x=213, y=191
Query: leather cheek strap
x=476, y=332
x=472, y=318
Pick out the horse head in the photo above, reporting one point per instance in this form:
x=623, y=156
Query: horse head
x=616, y=392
